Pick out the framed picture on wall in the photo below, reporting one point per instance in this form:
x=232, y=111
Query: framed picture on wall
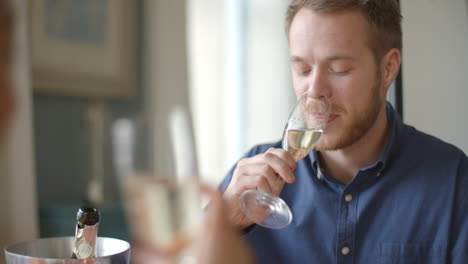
x=83, y=48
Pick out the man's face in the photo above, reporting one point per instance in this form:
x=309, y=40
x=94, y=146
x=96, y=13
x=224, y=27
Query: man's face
x=330, y=56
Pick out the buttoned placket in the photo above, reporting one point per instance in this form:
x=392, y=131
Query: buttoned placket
x=347, y=225
x=348, y=214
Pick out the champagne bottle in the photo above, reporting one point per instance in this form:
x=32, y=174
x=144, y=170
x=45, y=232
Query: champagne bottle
x=87, y=223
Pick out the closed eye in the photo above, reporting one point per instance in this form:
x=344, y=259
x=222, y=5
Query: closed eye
x=300, y=67
x=304, y=72
x=340, y=71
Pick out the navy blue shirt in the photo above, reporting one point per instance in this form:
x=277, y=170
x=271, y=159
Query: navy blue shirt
x=411, y=206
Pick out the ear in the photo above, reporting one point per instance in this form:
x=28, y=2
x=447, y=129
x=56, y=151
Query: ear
x=390, y=66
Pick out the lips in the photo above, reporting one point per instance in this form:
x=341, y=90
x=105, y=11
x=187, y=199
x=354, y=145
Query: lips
x=331, y=118
x=320, y=116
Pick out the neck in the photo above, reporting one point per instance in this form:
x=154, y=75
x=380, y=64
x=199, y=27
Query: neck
x=344, y=164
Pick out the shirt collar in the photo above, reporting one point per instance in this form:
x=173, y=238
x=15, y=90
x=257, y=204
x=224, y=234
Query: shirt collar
x=396, y=125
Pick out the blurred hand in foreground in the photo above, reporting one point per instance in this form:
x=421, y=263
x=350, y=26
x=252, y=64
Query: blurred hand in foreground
x=218, y=242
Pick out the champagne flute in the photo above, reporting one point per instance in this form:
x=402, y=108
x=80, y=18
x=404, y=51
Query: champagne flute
x=161, y=194
x=300, y=136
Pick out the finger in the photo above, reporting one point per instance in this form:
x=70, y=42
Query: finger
x=216, y=206
x=284, y=155
x=215, y=197
x=258, y=182
x=275, y=182
x=246, y=182
x=281, y=164
x=281, y=153
x=277, y=164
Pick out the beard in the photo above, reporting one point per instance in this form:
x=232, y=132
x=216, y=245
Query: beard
x=358, y=124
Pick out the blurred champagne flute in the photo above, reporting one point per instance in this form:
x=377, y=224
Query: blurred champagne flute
x=162, y=205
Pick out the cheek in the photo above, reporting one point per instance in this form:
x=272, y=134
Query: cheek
x=299, y=92
x=360, y=88
x=352, y=96
x=300, y=87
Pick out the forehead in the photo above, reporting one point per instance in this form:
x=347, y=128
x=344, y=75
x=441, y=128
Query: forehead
x=343, y=33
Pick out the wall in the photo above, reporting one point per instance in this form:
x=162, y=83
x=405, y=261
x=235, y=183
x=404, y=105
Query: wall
x=165, y=81
x=205, y=29
x=241, y=92
x=62, y=146
x=435, y=68
x=271, y=95
x=62, y=151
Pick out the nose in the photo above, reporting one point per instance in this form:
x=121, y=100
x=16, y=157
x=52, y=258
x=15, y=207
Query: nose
x=318, y=85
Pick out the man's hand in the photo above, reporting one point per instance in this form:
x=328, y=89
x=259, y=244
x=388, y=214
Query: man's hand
x=267, y=172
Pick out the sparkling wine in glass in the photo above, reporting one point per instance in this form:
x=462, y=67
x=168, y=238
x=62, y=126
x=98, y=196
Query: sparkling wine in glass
x=300, y=136
x=161, y=194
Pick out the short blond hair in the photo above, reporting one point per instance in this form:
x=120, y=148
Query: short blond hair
x=383, y=17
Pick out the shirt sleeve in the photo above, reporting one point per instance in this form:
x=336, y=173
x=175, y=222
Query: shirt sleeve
x=459, y=233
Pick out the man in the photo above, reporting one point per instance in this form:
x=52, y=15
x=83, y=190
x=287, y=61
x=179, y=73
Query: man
x=374, y=190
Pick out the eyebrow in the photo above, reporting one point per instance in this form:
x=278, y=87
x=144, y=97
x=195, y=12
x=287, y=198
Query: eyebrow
x=296, y=59
x=330, y=58
x=340, y=57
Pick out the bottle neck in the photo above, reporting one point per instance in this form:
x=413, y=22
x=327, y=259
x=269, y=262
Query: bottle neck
x=85, y=241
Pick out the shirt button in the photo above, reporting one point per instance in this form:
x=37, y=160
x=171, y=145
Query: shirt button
x=345, y=251
x=348, y=198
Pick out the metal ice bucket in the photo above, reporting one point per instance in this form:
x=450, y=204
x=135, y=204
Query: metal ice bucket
x=59, y=250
